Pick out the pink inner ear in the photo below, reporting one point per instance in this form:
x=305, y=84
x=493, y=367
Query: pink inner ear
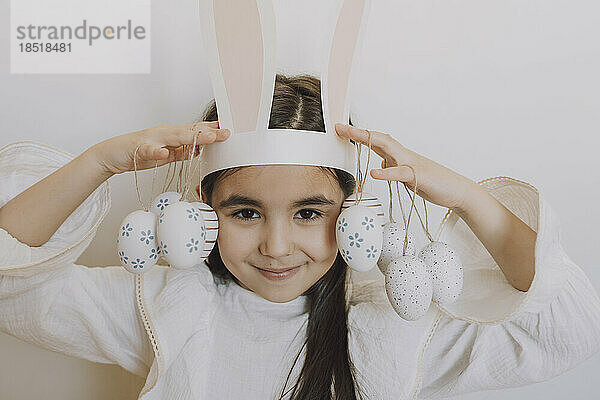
x=240, y=43
x=342, y=52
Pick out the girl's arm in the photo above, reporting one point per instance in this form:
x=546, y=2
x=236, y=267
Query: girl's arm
x=34, y=215
x=508, y=239
x=49, y=300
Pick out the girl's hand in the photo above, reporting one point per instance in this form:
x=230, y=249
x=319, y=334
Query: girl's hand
x=435, y=183
x=162, y=143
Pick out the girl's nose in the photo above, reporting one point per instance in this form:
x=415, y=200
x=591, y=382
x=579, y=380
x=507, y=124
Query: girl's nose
x=277, y=240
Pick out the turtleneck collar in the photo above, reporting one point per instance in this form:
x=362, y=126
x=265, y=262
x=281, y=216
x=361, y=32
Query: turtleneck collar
x=253, y=302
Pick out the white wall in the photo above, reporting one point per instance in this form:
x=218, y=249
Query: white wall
x=484, y=88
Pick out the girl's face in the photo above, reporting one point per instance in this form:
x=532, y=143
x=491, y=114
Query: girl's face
x=277, y=217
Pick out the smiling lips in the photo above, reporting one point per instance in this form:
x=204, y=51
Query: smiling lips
x=281, y=275
x=277, y=271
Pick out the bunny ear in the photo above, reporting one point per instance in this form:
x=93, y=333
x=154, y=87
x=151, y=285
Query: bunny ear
x=351, y=20
x=240, y=60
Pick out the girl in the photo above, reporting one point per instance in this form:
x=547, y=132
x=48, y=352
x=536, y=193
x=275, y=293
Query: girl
x=273, y=312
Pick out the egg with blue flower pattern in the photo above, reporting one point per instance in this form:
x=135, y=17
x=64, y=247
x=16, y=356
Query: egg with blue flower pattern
x=359, y=236
x=163, y=200
x=136, y=242
x=211, y=226
x=181, y=234
x=369, y=200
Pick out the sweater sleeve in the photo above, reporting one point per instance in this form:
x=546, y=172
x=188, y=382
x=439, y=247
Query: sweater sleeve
x=495, y=336
x=48, y=300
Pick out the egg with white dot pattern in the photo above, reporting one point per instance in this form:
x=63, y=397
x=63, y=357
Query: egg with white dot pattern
x=408, y=287
x=163, y=200
x=136, y=242
x=393, y=242
x=181, y=234
x=359, y=237
x=446, y=271
x=211, y=226
x=369, y=200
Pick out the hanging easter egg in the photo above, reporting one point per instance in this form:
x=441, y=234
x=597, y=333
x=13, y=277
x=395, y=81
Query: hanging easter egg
x=136, y=242
x=393, y=242
x=211, y=226
x=359, y=237
x=408, y=287
x=446, y=271
x=163, y=200
x=369, y=200
x=181, y=234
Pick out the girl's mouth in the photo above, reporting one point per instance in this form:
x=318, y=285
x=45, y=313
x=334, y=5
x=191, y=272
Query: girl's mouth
x=278, y=276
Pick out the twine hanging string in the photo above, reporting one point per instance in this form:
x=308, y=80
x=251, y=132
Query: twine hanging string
x=361, y=177
x=186, y=183
x=199, y=194
x=179, y=169
x=390, y=197
x=400, y=203
x=194, y=169
x=358, y=177
x=165, y=184
x=137, y=186
x=391, y=200
x=405, y=245
x=426, y=226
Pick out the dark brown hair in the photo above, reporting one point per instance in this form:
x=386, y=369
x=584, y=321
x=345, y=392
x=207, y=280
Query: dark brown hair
x=327, y=364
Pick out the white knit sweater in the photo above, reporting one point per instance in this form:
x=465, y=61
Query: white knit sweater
x=194, y=339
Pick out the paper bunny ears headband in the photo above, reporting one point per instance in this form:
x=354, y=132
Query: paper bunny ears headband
x=240, y=43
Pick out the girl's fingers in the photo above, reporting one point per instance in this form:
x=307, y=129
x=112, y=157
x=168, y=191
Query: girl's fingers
x=177, y=154
x=400, y=173
x=383, y=144
x=214, y=124
x=149, y=151
x=163, y=154
x=179, y=135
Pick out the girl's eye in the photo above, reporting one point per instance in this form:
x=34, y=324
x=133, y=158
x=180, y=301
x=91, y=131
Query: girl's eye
x=312, y=214
x=306, y=214
x=245, y=215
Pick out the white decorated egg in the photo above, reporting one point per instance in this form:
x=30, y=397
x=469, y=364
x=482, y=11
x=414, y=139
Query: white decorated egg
x=136, y=242
x=369, y=200
x=446, y=271
x=211, y=226
x=181, y=235
x=408, y=287
x=163, y=200
x=393, y=242
x=359, y=237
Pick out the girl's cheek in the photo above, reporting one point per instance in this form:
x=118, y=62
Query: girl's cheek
x=320, y=243
x=235, y=243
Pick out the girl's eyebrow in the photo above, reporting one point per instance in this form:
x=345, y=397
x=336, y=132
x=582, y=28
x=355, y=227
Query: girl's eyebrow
x=240, y=200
